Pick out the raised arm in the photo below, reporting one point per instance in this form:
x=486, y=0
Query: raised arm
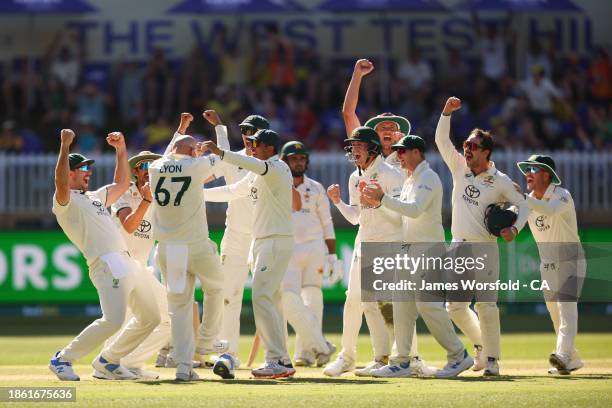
x=220, y=129
x=186, y=119
x=349, y=108
x=130, y=220
x=453, y=159
x=554, y=206
x=62, y=168
x=257, y=166
x=121, y=182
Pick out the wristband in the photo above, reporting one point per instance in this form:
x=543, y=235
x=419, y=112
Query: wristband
x=148, y=201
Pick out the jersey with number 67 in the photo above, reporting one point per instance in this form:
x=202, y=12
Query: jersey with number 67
x=180, y=211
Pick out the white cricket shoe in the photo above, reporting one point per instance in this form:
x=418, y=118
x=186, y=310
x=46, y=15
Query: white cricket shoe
x=454, y=368
x=419, y=368
x=561, y=362
x=392, y=370
x=273, y=369
x=480, y=361
x=338, y=367
x=323, y=358
x=162, y=354
x=573, y=365
x=143, y=374
x=62, y=369
x=225, y=365
x=207, y=356
x=170, y=363
x=306, y=359
x=114, y=371
x=492, y=369
x=185, y=373
x=367, y=370
x=100, y=375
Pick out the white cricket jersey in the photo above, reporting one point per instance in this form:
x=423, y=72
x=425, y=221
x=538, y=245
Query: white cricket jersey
x=313, y=222
x=553, y=218
x=239, y=215
x=377, y=224
x=472, y=194
x=420, y=205
x=179, y=210
x=89, y=225
x=393, y=160
x=140, y=242
x=268, y=184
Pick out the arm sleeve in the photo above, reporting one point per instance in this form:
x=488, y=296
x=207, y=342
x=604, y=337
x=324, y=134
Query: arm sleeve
x=257, y=166
x=425, y=192
x=171, y=144
x=350, y=211
x=222, y=138
x=58, y=208
x=554, y=206
x=452, y=158
x=517, y=199
x=227, y=193
x=324, y=214
x=120, y=203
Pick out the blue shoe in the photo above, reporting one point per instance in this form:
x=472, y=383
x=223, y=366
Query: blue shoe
x=454, y=368
x=392, y=370
x=62, y=369
x=224, y=366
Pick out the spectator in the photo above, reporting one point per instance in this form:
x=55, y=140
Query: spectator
x=10, y=140
x=65, y=58
x=159, y=82
x=128, y=83
x=600, y=76
x=493, y=47
x=20, y=89
x=415, y=72
x=195, y=87
x=537, y=56
x=91, y=104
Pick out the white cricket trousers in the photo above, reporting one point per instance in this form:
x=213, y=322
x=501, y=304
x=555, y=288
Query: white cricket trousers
x=482, y=328
x=305, y=270
x=115, y=297
x=564, y=313
x=234, y=266
x=160, y=337
x=270, y=257
x=202, y=263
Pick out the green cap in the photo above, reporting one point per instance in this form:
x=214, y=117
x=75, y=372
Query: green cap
x=402, y=122
x=144, y=155
x=542, y=161
x=76, y=160
x=410, y=142
x=266, y=136
x=364, y=134
x=293, y=148
x=255, y=121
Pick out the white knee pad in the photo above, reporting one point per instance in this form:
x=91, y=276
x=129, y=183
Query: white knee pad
x=313, y=299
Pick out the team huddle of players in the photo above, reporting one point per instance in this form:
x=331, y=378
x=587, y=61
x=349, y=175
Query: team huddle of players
x=279, y=227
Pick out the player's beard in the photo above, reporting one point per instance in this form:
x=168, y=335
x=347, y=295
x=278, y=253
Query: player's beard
x=297, y=173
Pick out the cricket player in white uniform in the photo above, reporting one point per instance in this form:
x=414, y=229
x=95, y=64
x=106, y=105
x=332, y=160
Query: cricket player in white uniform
x=133, y=213
x=552, y=220
x=269, y=185
x=84, y=217
x=476, y=184
x=185, y=251
x=238, y=227
x=420, y=205
x=314, y=255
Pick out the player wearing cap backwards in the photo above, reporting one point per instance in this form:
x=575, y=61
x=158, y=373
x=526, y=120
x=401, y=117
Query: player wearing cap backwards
x=476, y=185
x=552, y=220
x=133, y=211
x=314, y=255
x=84, y=217
x=185, y=251
x=420, y=205
x=269, y=186
x=238, y=227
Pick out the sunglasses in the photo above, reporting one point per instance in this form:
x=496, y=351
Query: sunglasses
x=401, y=150
x=144, y=165
x=471, y=145
x=255, y=143
x=533, y=169
x=85, y=167
x=247, y=130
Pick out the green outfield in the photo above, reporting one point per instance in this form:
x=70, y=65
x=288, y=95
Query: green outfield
x=524, y=382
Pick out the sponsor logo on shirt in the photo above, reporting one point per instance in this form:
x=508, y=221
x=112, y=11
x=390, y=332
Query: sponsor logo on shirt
x=488, y=181
x=541, y=224
x=115, y=283
x=471, y=193
x=253, y=194
x=143, y=229
x=100, y=210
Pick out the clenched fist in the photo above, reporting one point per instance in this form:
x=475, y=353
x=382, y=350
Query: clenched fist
x=67, y=136
x=186, y=119
x=210, y=145
x=333, y=192
x=116, y=140
x=212, y=117
x=145, y=192
x=452, y=104
x=363, y=67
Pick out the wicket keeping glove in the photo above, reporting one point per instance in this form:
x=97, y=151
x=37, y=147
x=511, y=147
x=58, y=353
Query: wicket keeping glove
x=333, y=269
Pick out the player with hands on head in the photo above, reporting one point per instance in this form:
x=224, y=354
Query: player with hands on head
x=83, y=216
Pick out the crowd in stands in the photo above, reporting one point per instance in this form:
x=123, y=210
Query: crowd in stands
x=554, y=101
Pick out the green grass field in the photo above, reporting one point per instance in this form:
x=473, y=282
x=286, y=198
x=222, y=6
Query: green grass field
x=525, y=382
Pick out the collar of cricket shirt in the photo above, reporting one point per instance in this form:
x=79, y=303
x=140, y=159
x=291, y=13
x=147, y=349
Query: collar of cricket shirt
x=549, y=191
x=420, y=168
x=373, y=168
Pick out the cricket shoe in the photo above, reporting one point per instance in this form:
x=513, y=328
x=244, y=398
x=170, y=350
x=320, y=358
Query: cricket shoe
x=143, y=374
x=419, y=368
x=307, y=359
x=323, y=358
x=114, y=371
x=374, y=365
x=208, y=356
x=272, y=370
x=480, y=362
x=392, y=370
x=492, y=369
x=338, y=367
x=100, y=375
x=561, y=362
x=225, y=365
x=170, y=363
x=454, y=368
x=185, y=373
x=160, y=360
x=573, y=365
x=62, y=369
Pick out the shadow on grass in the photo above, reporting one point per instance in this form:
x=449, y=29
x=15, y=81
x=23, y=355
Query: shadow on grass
x=510, y=378
x=285, y=381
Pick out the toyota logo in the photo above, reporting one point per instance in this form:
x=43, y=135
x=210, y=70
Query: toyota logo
x=254, y=193
x=145, y=226
x=97, y=203
x=539, y=221
x=472, y=192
